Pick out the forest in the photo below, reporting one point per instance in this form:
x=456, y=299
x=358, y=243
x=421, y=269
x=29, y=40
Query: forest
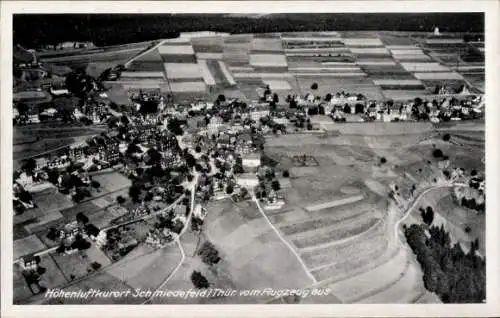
x=34, y=30
x=455, y=276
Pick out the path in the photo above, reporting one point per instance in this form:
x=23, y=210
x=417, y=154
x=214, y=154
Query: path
x=324, y=282
x=178, y=237
x=304, y=266
x=127, y=64
x=416, y=201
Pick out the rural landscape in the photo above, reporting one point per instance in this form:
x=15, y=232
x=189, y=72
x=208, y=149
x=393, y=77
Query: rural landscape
x=299, y=159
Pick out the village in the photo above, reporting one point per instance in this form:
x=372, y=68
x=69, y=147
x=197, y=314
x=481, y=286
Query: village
x=137, y=168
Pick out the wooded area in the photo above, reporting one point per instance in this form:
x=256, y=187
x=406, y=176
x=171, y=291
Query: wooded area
x=456, y=277
x=109, y=29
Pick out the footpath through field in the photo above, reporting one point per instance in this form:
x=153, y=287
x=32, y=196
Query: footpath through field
x=396, y=238
x=304, y=266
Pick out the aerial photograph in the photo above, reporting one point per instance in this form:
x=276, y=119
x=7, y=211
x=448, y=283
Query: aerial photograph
x=306, y=158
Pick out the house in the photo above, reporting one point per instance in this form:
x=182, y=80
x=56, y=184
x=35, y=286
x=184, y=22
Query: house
x=33, y=119
x=258, y=113
x=251, y=160
x=247, y=180
x=281, y=120
x=213, y=128
x=59, y=92
x=92, y=231
x=76, y=153
x=101, y=239
x=29, y=262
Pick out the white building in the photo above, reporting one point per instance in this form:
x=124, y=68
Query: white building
x=247, y=180
x=101, y=239
x=251, y=160
x=257, y=114
x=59, y=92
x=281, y=120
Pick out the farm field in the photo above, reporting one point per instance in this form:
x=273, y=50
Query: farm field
x=335, y=57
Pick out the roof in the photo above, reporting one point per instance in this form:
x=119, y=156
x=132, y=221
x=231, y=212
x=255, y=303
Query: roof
x=247, y=176
x=251, y=156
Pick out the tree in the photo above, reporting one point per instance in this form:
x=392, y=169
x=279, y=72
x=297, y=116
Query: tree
x=446, y=137
x=120, y=200
x=276, y=185
x=312, y=111
x=359, y=108
x=198, y=280
x=383, y=160
x=229, y=189
x=190, y=160
x=124, y=120
x=113, y=122
x=154, y=156
x=321, y=110
x=243, y=192
x=314, y=86
x=437, y=153
x=52, y=234
x=347, y=109
x=82, y=218
x=95, y=184
x=221, y=98
x=276, y=99
x=328, y=97
x=286, y=174
x=22, y=108
x=473, y=173
x=209, y=253
x=174, y=125
x=96, y=266
x=429, y=215
x=134, y=192
x=149, y=107
x=148, y=197
x=29, y=165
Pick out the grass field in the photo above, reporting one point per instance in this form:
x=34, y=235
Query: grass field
x=256, y=250
x=79, y=264
x=112, y=181
x=27, y=245
x=145, y=268
x=40, y=147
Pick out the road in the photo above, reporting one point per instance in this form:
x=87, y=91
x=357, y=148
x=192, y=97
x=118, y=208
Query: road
x=178, y=237
x=304, y=266
x=416, y=201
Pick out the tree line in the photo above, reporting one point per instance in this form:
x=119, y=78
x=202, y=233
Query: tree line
x=455, y=276
x=33, y=30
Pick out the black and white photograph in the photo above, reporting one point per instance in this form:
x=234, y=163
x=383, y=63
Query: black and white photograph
x=246, y=158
